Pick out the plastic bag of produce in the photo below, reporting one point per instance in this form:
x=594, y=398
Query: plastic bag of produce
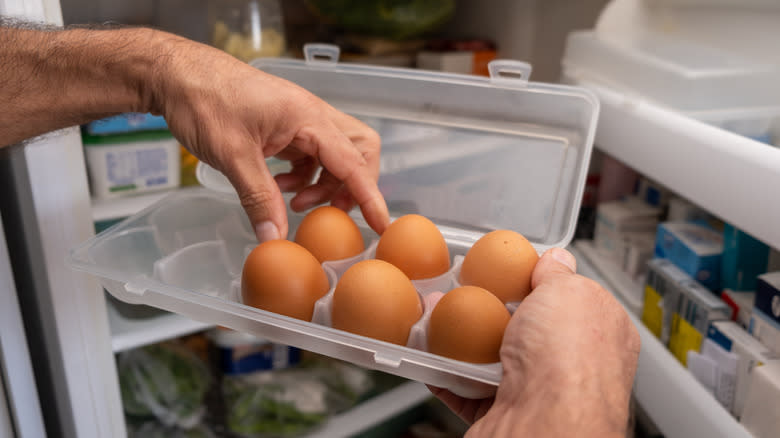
x=291, y=402
x=155, y=429
x=164, y=381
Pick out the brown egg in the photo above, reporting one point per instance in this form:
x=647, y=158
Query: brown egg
x=414, y=245
x=468, y=324
x=283, y=277
x=374, y=298
x=502, y=262
x=329, y=234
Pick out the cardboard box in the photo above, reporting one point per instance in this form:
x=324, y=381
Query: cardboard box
x=744, y=258
x=741, y=304
x=653, y=193
x=677, y=309
x=618, y=221
x=750, y=353
x=765, y=320
x=716, y=369
x=681, y=210
x=467, y=57
x=694, y=248
x=639, y=252
x=129, y=164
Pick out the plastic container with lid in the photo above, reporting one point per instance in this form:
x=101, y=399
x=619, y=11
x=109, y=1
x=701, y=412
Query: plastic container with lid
x=247, y=29
x=471, y=153
x=129, y=164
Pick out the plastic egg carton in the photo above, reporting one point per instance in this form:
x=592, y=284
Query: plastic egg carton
x=186, y=254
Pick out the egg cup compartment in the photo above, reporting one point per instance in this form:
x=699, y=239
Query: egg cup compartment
x=442, y=283
x=339, y=267
x=178, y=224
x=203, y=267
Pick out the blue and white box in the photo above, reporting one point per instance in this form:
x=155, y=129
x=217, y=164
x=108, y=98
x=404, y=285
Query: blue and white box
x=127, y=122
x=696, y=249
x=765, y=320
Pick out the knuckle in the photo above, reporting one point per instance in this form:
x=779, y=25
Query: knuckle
x=372, y=139
x=257, y=202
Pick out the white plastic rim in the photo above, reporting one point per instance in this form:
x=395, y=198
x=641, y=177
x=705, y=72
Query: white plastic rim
x=213, y=179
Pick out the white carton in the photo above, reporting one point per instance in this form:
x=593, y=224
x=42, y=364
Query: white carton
x=618, y=221
x=750, y=353
x=132, y=164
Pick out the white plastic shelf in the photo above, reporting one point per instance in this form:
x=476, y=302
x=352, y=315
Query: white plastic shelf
x=129, y=333
x=374, y=411
x=119, y=208
x=672, y=397
x=732, y=176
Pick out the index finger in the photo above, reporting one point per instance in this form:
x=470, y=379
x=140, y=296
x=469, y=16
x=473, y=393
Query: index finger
x=359, y=174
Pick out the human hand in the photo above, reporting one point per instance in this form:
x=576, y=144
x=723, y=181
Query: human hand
x=569, y=356
x=232, y=116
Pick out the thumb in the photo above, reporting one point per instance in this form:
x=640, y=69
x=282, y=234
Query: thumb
x=261, y=199
x=555, y=262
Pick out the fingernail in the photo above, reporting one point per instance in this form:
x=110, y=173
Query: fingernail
x=565, y=257
x=266, y=231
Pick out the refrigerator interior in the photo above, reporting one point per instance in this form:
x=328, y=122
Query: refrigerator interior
x=81, y=331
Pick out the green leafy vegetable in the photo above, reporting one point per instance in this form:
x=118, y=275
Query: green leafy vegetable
x=395, y=19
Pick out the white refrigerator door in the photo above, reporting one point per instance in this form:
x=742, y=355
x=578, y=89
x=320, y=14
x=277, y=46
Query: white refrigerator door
x=6, y=428
x=20, y=412
x=46, y=195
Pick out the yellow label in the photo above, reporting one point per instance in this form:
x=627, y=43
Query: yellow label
x=652, y=313
x=683, y=337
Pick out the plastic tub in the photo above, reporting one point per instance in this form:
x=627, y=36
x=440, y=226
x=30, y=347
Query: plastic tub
x=132, y=163
x=482, y=154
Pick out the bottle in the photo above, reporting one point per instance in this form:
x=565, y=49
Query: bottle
x=247, y=29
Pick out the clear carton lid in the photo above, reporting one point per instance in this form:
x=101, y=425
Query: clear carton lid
x=471, y=153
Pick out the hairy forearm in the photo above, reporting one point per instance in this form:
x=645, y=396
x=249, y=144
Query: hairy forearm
x=51, y=79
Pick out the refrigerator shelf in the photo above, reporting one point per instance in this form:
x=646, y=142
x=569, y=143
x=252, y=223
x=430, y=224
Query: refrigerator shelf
x=678, y=404
x=129, y=333
x=722, y=172
x=374, y=411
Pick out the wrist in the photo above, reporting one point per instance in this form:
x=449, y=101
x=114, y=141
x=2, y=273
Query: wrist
x=558, y=406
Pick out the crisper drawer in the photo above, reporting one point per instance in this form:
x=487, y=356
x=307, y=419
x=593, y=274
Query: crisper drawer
x=472, y=154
